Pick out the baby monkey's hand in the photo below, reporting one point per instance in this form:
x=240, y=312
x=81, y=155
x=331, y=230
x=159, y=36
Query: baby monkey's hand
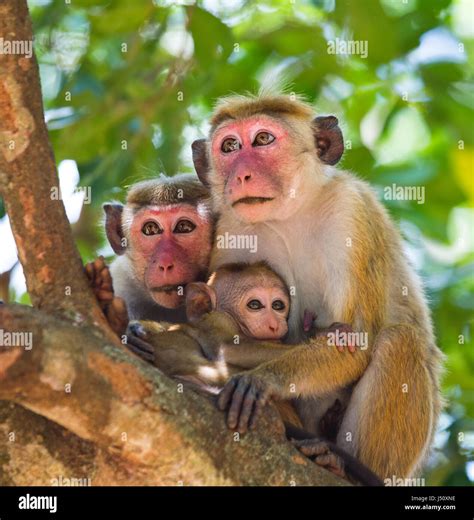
x=341, y=333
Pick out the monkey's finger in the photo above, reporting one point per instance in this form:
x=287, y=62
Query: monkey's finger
x=248, y=406
x=106, y=277
x=98, y=264
x=117, y=316
x=340, y=348
x=351, y=347
x=89, y=268
x=331, y=462
x=136, y=343
x=139, y=343
x=236, y=404
x=141, y=353
x=226, y=394
x=104, y=296
x=311, y=447
x=257, y=412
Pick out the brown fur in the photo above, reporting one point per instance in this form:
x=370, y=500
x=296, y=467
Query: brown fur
x=240, y=107
x=181, y=189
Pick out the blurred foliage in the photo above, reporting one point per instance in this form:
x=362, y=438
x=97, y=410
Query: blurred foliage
x=128, y=85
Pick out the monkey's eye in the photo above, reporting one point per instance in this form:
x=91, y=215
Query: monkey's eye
x=184, y=226
x=151, y=228
x=263, y=138
x=230, y=145
x=254, y=305
x=278, y=305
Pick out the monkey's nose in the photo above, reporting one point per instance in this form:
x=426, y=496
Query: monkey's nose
x=244, y=177
x=165, y=266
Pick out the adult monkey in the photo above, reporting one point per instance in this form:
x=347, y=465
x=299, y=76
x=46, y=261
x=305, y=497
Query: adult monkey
x=268, y=162
x=163, y=237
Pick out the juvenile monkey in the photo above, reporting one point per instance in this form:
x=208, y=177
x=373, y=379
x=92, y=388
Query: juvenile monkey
x=269, y=164
x=163, y=239
x=240, y=301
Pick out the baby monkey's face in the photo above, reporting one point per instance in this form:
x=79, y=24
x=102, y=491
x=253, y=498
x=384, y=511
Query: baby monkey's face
x=263, y=312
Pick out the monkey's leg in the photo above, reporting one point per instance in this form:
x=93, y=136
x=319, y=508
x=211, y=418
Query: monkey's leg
x=331, y=457
x=113, y=307
x=390, y=418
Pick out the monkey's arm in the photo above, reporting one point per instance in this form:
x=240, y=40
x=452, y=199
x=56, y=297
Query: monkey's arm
x=302, y=371
x=176, y=353
x=250, y=354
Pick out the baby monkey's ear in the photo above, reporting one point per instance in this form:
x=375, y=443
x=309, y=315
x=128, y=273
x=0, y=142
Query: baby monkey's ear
x=200, y=299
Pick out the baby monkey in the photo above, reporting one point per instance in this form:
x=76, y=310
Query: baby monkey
x=241, y=303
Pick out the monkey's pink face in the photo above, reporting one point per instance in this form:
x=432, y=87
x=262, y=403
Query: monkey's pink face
x=263, y=313
x=171, y=247
x=254, y=161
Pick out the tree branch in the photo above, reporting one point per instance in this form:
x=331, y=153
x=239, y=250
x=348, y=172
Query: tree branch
x=131, y=411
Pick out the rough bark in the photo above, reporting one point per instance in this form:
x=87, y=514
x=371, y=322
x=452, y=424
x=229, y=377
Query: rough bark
x=77, y=405
x=132, y=424
x=29, y=183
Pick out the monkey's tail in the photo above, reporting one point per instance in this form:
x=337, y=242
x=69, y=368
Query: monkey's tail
x=353, y=467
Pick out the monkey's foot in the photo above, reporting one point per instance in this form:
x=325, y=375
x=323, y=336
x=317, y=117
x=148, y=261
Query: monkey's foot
x=136, y=342
x=320, y=452
x=114, y=308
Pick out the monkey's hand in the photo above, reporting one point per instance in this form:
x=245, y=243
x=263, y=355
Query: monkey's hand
x=114, y=308
x=340, y=334
x=245, y=395
x=136, y=342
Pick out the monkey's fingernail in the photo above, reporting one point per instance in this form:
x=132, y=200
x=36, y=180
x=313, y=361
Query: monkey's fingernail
x=104, y=296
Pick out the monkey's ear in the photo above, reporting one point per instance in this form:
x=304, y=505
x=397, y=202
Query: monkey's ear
x=113, y=226
x=328, y=139
x=201, y=161
x=200, y=299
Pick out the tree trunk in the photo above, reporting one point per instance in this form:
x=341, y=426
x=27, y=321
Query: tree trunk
x=29, y=183
x=75, y=404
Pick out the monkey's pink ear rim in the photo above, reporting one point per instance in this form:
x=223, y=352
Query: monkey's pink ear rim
x=113, y=226
x=201, y=161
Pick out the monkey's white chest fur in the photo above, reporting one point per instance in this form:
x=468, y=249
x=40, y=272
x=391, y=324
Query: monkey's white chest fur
x=311, y=257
